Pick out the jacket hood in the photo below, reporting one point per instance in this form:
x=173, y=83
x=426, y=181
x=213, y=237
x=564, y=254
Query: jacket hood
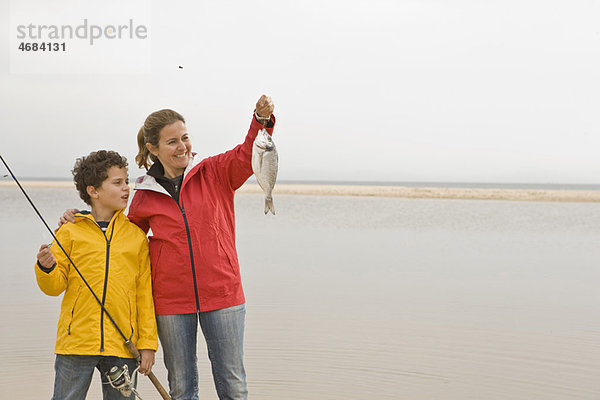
x=147, y=182
x=87, y=215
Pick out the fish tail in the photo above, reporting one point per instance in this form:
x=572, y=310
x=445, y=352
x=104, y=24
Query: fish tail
x=269, y=205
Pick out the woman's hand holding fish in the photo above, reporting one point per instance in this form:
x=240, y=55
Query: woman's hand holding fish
x=265, y=107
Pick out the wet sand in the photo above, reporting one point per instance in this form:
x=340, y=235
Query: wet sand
x=358, y=297
x=397, y=191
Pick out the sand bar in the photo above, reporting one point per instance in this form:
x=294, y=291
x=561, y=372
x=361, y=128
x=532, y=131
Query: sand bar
x=434, y=192
x=395, y=191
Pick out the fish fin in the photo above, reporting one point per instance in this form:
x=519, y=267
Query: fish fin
x=269, y=205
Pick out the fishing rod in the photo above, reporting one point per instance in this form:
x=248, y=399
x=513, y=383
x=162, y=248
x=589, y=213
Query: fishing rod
x=130, y=346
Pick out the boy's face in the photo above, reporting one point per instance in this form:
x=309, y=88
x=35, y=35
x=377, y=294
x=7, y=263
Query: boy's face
x=113, y=194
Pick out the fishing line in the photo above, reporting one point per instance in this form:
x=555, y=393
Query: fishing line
x=130, y=346
x=63, y=250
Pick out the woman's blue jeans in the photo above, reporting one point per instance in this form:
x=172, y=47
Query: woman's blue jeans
x=224, y=334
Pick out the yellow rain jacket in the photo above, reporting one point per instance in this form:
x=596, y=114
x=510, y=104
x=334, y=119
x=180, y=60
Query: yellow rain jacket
x=116, y=265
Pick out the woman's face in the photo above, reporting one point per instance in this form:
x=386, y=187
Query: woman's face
x=174, y=149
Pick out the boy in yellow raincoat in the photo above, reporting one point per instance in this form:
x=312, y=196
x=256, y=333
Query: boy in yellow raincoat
x=112, y=255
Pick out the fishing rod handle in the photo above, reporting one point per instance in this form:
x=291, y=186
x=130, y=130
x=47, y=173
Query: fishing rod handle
x=158, y=386
x=135, y=352
x=132, y=349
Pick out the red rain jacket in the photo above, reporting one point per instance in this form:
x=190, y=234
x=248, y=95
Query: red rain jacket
x=192, y=248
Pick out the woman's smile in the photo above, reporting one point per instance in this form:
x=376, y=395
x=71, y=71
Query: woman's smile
x=174, y=149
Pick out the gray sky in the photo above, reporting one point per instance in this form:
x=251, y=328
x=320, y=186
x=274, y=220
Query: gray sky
x=480, y=91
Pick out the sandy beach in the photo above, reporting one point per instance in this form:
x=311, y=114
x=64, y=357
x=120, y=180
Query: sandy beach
x=397, y=191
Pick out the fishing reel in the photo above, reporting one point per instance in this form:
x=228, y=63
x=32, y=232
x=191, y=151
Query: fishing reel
x=120, y=379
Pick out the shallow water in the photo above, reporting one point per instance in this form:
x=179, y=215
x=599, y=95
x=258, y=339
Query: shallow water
x=367, y=298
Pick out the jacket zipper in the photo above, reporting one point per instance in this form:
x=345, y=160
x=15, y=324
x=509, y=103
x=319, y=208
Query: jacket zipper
x=189, y=238
x=105, y=281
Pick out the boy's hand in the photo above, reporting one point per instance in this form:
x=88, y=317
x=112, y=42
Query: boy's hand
x=68, y=216
x=45, y=257
x=147, y=361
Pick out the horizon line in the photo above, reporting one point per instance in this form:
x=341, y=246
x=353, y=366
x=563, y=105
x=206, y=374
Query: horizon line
x=369, y=182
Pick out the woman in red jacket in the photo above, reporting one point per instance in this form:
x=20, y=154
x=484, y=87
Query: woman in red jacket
x=188, y=204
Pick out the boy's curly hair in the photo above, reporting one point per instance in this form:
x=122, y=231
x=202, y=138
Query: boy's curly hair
x=92, y=170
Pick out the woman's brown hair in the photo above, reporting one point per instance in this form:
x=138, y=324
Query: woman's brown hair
x=150, y=133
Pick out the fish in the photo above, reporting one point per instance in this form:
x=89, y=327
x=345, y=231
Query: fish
x=265, y=162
